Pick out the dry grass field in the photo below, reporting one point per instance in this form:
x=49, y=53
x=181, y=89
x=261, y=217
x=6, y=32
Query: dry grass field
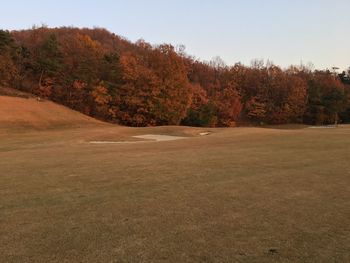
x=236, y=195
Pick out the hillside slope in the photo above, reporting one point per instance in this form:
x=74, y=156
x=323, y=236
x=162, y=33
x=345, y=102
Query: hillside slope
x=24, y=113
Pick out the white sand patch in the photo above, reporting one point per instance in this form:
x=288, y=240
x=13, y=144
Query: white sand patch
x=147, y=137
x=111, y=142
x=159, y=137
x=323, y=127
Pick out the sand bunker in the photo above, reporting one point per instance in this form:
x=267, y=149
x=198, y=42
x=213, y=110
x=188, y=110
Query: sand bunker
x=111, y=142
x=323, y=127
x=158, y=137
x=146, y=137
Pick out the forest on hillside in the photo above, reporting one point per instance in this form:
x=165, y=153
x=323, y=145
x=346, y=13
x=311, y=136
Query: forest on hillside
x=110, y=78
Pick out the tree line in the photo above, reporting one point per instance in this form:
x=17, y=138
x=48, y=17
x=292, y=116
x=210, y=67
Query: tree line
x=110, y=78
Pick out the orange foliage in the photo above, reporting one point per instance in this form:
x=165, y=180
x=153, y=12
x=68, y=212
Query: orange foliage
x=138, y=84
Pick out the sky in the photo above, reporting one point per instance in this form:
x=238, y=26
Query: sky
x=284, y=31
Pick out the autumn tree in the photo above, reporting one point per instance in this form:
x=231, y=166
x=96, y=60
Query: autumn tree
x=137, y=98
x=327, y=97
x=82, y=57
x=175, y=92
x=155, y=89
x=47, y=66
x=138, y=84
x=201, y=111
x=101, y=100
x=223, y=107
x=8, y=56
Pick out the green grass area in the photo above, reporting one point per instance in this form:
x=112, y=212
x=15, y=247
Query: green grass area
x=237, y=195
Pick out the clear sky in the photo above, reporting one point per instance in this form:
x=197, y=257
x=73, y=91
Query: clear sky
x=284, y=31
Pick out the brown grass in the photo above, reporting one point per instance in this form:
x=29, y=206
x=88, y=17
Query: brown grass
x=237, y=195
x=19, y=113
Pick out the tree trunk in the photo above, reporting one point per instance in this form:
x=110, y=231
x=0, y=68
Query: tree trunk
x=40, y=79
x=336, y=119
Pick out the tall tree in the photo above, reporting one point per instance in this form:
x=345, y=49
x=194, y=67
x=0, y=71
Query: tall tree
x=8, y=56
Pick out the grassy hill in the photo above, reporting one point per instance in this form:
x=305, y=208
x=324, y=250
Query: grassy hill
x=22, y=111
